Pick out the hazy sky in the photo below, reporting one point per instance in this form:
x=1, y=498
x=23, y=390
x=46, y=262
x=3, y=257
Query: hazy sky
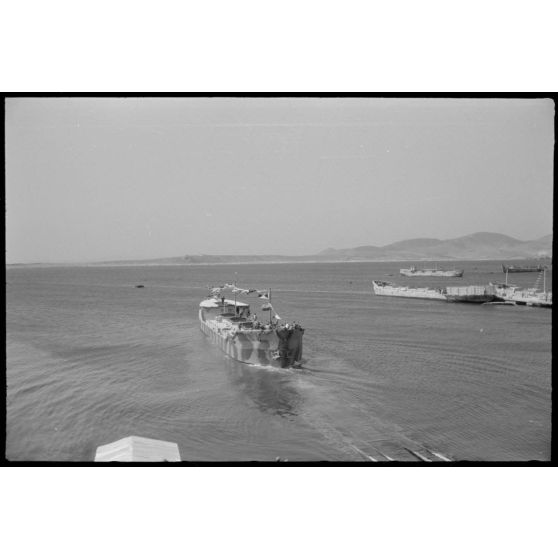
x=101, y=179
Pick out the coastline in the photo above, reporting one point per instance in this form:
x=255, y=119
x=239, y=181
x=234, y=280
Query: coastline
x=255, y=262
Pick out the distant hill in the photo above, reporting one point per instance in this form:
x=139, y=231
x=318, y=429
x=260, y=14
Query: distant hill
x=477, y=246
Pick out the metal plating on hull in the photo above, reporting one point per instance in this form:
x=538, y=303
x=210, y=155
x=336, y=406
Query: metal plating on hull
x=247, y=340
x=384, y=288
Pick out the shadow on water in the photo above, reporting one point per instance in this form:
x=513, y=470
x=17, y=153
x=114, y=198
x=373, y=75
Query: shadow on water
x=270, y=389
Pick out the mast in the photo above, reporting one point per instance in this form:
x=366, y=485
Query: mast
x=270, y=308
x=235, y=277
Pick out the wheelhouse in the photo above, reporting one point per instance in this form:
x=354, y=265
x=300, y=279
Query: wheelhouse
x=230, y=309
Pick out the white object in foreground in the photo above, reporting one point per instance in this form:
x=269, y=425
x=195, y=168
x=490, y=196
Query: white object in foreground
x=135, y=448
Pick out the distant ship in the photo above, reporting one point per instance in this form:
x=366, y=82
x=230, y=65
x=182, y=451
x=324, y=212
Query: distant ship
x=384, y=288
x=522, y=268
x=229, y=324
x=414, y=272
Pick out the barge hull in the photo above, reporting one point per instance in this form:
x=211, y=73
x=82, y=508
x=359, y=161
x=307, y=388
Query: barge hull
x=426, y=273
x=474, y=299
x=263, y=348
x=426, y=296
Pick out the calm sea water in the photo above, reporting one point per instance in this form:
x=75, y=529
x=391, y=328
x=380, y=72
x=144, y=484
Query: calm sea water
x=92, y=359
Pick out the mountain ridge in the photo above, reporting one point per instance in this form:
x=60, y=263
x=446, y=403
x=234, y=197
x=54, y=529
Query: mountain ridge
x=475, y=246
x=479, y=245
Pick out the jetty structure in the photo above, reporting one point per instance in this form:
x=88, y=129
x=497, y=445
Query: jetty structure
x=435, y=272
x=493, y=293
x=136, y=448
x=231, y=326
x=525, y=297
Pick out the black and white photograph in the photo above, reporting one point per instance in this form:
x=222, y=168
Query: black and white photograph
x=278, y=280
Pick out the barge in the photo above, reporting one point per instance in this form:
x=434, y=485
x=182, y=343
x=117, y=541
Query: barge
x=384, y=288
x=414, y=272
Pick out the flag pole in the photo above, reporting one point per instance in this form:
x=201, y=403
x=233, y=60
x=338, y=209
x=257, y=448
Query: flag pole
x=235, y=276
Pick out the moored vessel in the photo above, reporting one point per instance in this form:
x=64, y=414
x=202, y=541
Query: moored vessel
x=523, y=297
x=473, y=293
x=239, y=334
x=526, y=296
x=414, y=272
x=384, y=288
x=522, y=268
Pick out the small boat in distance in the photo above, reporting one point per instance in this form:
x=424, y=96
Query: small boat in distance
x=522, y=268
x=239, y=334
x=414, y=272
x=384, y=288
